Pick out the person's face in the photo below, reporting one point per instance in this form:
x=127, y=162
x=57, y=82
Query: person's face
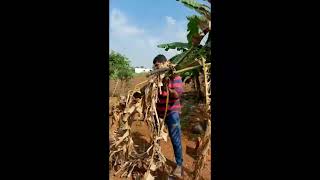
x=158, y=65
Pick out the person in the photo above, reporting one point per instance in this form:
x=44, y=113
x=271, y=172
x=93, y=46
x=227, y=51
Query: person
x=172, y=118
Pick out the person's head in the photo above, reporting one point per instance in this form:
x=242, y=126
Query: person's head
x=159, y=61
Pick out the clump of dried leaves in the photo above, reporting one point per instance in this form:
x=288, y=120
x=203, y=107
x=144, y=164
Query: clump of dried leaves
x=124, y=158
x=203, y=151
x=205, y=142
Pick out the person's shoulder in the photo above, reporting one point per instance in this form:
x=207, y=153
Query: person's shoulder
x=177, y=77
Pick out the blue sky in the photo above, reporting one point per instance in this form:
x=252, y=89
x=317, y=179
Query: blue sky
x=138, y=26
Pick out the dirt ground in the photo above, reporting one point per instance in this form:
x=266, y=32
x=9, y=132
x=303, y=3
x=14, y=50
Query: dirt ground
x=191, y=113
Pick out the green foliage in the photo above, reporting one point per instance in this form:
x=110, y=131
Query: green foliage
x=188, y=58
x=175, y=45
x=200, y=8
x=175, y=58
x=188, y=74
x=192, y=4
x=119, y=67
x=182, y=57
x=198, y=26
x=193, y=28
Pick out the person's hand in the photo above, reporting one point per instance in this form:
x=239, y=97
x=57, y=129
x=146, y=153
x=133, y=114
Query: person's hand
x=165, y=81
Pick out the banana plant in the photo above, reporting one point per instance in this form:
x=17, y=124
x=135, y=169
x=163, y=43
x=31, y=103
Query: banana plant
x=193, y=54
x=198, y=27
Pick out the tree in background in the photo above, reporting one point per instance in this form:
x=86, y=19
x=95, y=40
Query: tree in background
x=119, y=68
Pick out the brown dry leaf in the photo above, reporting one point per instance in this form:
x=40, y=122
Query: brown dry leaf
x=122, y=138
x=125, y=117
x=129, y=110
x=153, y=167
x=206, y=148
x=121, y=168
x=149, y=149
x=135, y=116
x=112, y=153
x=148, y=176
x=126, y=126
x=139, y=164
x=138, y=103
x=139, y=109
x=124, y=174
x=198, y=143
x=130, y=172
x=124, y=150
x=142, y=109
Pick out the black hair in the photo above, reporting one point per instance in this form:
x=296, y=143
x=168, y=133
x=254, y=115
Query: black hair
x=159, y=58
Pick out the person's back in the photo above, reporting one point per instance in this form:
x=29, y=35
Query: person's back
x=172, y=87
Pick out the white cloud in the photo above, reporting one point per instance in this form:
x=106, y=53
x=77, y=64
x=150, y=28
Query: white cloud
x=119, y=25
x=170, y=20
x=139, y=45
x=153, y=41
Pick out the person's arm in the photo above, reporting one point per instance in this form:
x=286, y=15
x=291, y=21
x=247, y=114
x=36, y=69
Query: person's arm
x=175, y=89
x=174, y=93
x=178, y=85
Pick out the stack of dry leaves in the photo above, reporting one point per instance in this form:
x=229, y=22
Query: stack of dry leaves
x=124, y=157
x=139, y=105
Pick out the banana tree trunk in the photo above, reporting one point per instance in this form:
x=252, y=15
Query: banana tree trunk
x=206, y=88
x=198, y=86
x=194, y=83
